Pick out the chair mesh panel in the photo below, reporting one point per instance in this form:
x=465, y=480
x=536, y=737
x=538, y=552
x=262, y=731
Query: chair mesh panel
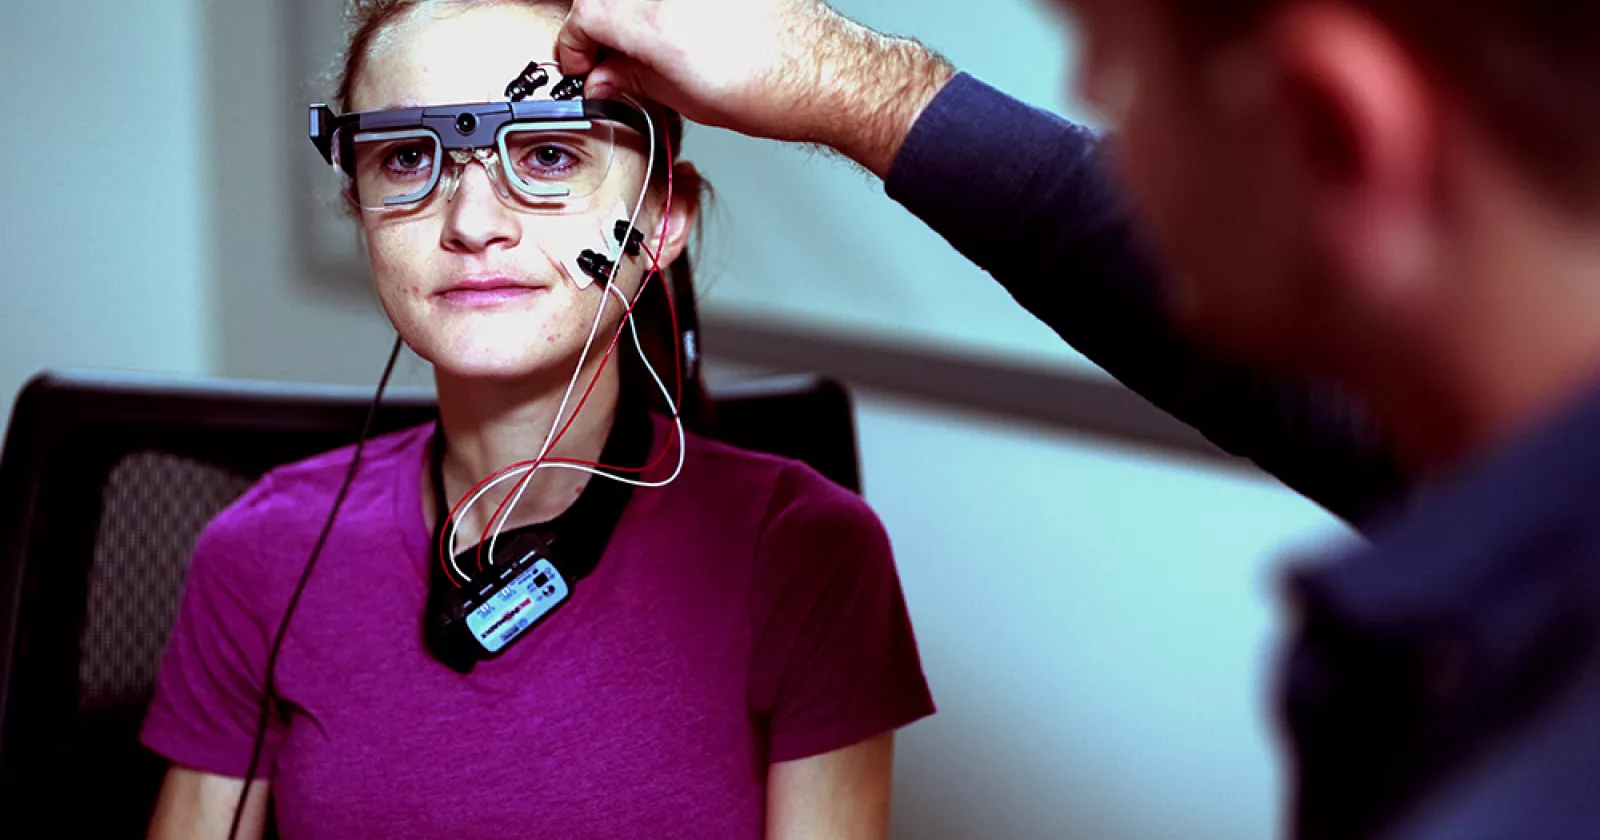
x=154, y=506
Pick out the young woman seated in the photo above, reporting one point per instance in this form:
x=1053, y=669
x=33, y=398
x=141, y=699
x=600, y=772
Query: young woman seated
x=737, y=659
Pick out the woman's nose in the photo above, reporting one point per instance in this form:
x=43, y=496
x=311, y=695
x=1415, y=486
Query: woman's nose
x=476, y=218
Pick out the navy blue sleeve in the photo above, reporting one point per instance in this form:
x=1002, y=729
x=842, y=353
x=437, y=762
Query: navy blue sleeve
x=1023, y=194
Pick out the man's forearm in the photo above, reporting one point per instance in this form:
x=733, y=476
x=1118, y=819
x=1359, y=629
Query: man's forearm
x=874, y=87
x=1026, y=195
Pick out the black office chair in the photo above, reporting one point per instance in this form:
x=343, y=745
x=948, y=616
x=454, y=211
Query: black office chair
x=107, y=481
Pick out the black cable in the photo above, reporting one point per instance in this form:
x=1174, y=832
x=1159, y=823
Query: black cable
x=294, y=600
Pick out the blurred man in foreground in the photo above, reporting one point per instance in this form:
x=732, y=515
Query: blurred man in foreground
x=1380, y=209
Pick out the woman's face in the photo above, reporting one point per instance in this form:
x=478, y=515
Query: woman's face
x=473, y=284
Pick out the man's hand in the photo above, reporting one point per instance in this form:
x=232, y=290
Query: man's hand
x=792, y=70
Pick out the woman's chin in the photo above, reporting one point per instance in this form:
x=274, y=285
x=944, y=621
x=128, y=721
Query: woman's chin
x=503, y=365
x=502, y=349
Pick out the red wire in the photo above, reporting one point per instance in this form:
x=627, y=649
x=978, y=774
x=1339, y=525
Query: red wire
x=621, y=325
x=672, y=311
x=535, y=463
x=677, y=347
x=532, y=463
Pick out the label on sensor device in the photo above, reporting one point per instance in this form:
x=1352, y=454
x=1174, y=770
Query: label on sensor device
x=521, y=602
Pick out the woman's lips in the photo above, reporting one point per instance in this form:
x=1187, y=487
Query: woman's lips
x=488, y=292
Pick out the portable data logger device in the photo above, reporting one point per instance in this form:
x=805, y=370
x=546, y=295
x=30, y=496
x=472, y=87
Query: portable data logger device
x=495, y=609
x=476, y=613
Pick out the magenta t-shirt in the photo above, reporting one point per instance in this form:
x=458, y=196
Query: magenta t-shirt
x=748, y=613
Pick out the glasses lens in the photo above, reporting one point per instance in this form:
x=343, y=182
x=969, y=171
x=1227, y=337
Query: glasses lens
x=391, y=168
x=557, y=165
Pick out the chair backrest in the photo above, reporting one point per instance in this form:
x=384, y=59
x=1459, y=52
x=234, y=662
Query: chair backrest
x=106, y=482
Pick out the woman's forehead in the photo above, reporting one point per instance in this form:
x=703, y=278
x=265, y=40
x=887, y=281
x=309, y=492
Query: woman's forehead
x=441, y=55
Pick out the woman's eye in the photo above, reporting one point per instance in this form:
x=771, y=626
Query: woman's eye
x=408, y=160
x=547, y=160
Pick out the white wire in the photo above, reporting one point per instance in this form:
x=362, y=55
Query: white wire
x=677, y=470
x=577, y=373
x=616, y=269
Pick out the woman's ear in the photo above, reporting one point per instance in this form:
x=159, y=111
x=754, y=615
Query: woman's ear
x=684, y=213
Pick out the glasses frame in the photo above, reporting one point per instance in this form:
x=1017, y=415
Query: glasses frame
x=460, y=130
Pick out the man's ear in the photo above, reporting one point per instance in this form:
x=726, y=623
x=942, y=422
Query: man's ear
x=679, y=224
x=1363, y=124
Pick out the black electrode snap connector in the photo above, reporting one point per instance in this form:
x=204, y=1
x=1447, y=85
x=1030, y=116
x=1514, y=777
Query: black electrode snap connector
x=533, y=77
x=570, y=87
x=630, y=241
x=596, y=265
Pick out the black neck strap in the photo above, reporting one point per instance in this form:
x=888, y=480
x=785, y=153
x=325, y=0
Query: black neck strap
x=578, y=537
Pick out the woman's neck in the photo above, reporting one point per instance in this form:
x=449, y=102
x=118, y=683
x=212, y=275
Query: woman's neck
x=489, y=425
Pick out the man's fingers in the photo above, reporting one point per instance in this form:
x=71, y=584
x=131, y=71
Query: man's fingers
x=578, y=45
x=595, y=28
x=618, y=74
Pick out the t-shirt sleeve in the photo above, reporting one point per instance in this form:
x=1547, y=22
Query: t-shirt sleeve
x=208, y=693
x=836, y=660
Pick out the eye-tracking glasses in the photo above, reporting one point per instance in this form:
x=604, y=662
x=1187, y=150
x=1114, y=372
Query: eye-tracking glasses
x=543, y=156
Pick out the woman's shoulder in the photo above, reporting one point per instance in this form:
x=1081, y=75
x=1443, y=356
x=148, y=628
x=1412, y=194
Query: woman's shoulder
x=293, y=499
x=320, y=476
x=791, y=492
